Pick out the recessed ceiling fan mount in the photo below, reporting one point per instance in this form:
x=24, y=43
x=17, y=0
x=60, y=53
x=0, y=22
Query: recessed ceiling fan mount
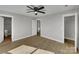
x=36, y=9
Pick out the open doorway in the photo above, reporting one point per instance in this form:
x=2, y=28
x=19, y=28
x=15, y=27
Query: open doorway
x=70, y=31
x=38, y=28
x=7, y=29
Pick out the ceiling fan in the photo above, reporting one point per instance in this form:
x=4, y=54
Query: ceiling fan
x=36, y=9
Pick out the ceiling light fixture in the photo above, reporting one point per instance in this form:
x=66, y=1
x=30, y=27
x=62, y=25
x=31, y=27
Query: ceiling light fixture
x=35, y=12
x=36, y=9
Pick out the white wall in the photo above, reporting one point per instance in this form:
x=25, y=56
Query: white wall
x=21, y=25
x=69, y=27
x=52, y=26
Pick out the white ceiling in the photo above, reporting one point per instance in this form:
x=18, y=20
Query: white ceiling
x=22, y=9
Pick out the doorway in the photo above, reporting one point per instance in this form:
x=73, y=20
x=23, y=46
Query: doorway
x=70, y=31
x=36, y=27
x=7, y=29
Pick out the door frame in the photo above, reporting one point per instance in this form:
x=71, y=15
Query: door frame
x=39, y=25
x=34, y=27
x=11, y=25
x=35, y=30
x=71, y=14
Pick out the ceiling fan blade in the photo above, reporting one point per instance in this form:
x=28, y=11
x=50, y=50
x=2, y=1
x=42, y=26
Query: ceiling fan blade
x=41, y=12
x=30, y=11
x=30, y=7
x=41, y=8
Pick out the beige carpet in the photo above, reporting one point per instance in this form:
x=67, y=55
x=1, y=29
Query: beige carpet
x=23, y=49
x=4, y=53
x=41, y=51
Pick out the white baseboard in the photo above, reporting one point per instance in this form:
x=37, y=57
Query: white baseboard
x=52, y=38
x=41, y=36
x=13, y=40
x=70, y=38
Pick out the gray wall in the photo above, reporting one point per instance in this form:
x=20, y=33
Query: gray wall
x=69, y=27
x=7, y=24
x=21, y=25
x=52, y=27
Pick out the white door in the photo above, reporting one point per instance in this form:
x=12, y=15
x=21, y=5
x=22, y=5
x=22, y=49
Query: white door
x=34, y=27
x=1, y=29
